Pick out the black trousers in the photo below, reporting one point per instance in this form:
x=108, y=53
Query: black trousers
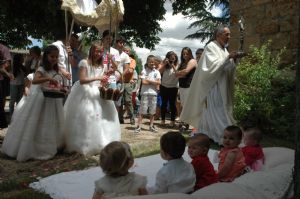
x=3, y=122
x=168, y=95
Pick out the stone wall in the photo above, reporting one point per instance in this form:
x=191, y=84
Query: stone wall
x=277, y=20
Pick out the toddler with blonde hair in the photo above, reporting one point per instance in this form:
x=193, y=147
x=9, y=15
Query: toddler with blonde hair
x=115, y=160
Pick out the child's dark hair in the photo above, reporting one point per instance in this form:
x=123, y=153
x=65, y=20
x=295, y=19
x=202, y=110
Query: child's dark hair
x=199, y=51
x=36, y=50
x=116, y=158
x=201, y=140
x=168, y=56
x=236, y=130
x=173, y=143
x=107, y=33
x=46, y=64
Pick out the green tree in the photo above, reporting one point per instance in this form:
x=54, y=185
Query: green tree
x=200, y=11
x=20, y=19
x=264, y=93
x=45, y=20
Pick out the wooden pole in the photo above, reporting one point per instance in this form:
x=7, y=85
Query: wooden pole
x=297, y=132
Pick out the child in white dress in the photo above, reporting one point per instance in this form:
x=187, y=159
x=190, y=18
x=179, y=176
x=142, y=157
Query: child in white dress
x=90, y=121
x=36, y=129
x=115, y=160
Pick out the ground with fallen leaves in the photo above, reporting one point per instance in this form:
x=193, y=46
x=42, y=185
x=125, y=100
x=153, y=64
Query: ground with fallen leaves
x=16, y=176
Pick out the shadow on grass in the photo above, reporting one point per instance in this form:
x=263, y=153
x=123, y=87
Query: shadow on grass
x=15, y=177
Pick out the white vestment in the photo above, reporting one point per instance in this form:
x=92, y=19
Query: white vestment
x=211, y=93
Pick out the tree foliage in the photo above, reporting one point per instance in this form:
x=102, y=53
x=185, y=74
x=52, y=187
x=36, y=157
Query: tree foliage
x=20, y=19
x=254, y=82
x=199, y=10
x=45, y=20
x=264, y=93
x=141, y=21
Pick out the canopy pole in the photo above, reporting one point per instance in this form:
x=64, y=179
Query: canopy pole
x=110, y=16
x=71, y=29
x=67, y=43
x=66, y=24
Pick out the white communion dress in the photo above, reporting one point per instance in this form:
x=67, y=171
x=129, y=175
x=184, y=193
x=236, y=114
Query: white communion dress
x=90, y=122
x=36, y=131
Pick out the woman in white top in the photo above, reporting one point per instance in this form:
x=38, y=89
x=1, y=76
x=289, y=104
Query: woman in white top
x=169, y=86
x=90, y=121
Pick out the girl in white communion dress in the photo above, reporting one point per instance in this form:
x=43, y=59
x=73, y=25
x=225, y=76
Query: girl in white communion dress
x=90, y=122
x=36, y=130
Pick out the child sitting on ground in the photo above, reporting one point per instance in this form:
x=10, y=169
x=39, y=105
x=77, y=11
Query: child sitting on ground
x=115, y=160
x=198, y=147
x=232, y=162
x=254, y=156
x=177, y=175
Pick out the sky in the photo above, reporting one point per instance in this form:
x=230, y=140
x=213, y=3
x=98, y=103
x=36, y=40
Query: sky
x=35, y=42
x=175, y=29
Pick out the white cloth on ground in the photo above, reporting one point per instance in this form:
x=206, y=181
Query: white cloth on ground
x=80, y=184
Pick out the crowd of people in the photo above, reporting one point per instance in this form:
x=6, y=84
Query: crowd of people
x=198, y=89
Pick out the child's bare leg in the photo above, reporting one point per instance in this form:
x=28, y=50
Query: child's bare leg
x=138, y=128
x=151, y=120
x=140, y=119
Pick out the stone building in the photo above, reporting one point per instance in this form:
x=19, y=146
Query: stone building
x=277, y=20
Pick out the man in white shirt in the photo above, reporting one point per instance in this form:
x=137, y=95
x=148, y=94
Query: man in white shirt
x=111, y=55
x=211, y=90
x=64, y=59
x=126, y=99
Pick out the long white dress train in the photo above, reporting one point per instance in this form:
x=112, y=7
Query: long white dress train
x=90, y=122
x=35, y=131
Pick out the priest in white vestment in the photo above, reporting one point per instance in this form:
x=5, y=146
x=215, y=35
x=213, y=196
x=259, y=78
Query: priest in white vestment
x=211, y=93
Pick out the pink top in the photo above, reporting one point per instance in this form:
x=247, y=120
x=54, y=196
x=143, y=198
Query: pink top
x=254, y=157
x=238, y=166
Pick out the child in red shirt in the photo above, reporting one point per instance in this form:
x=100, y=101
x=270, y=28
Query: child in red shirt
x=198, y=147
x=253, y=153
